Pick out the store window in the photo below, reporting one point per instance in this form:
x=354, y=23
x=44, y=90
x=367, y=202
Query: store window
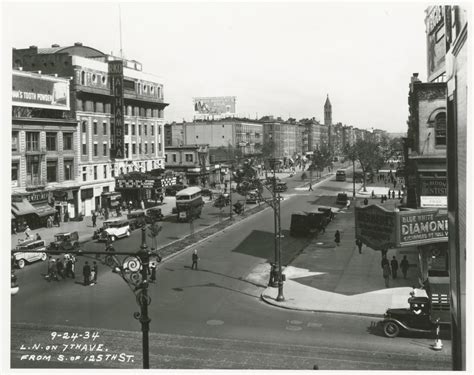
x=51, y=141
x=68, y=170
x=52, y=171
x=32, y=141
x=440, y=129
x=68, y=141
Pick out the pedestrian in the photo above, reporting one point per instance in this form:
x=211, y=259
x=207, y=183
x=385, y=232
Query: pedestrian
x=382, y=199
x=393, y=194
x=49, y=222
x=38, y=237
x=153, y=272
x=86, y=272
x=57, y=219
x=389, y=194
x=94, y=272
x=404, y=266
x=323, y=227
x=51, y=268
x=373, y=194
x=162, y=199
x=386, y=274
x=195, y=259
x=94, y=219
x=117, y=211
x=384, y=261
x=366, y=201
x=359, y=245
x=66, y=216
x=337, y=237
x=59, y=268
x=394, y=266
x=70, y=267
x=399, y=194
x=27, y=232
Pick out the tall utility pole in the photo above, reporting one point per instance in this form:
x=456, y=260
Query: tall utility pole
x=230, y=189
x=353, y=180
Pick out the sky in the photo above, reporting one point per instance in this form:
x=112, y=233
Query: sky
x=279, y=59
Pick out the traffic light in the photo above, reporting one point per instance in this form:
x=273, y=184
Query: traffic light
x=238, y=208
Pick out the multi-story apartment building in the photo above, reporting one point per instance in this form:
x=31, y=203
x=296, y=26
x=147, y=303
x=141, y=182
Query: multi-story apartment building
x=44, y=143
x=119, y=110
x=283, y=136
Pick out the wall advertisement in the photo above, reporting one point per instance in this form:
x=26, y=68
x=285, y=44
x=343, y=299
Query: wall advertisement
x=219, y=105
x=375, y=226
x=40, y=91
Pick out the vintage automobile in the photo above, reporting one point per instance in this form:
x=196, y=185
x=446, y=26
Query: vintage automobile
x=114, y=229
x=307, y=223
x=421, y=316
x=65, y=242
x=154, y=214
x=14, y=286
x=21, y=258
x=252, y=197
x=137, y=219
x=172, y=190
x=281, y=187
x=328, y=212
x=342, y=198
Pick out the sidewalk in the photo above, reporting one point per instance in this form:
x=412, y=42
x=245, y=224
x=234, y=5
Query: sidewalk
x=84, y=227
x=330, y=278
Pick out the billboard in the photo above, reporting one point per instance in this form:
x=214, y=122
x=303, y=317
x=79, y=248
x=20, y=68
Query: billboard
x=38, y=91
x=118, y=135
x=382, y=229
x=214, y=107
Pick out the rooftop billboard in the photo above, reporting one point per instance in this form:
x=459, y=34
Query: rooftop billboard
x=214, y=107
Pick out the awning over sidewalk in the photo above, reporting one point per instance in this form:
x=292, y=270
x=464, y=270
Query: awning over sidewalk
x=23, y=208
x=44, y=210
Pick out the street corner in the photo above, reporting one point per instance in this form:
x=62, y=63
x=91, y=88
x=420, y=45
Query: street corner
x=259, y=275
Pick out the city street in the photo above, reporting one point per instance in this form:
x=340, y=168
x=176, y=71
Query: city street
x=213, y=317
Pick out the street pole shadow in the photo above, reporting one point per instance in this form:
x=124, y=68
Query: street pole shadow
x=227, y=276
x=213, y=285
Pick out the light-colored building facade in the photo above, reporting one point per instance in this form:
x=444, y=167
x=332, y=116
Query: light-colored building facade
x=119, y=111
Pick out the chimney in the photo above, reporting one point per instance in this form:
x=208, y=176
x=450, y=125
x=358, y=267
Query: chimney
x=78, y=44
x=34, y=49
x=55, y=45
x=415, y=78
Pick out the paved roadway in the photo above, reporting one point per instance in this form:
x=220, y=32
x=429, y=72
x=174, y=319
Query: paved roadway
x=212, y=317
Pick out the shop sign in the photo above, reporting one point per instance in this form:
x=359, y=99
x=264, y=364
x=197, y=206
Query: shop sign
x=375, y=226
x=38, y=196
x=137, y=184
x=434, y=187
x=433, y=201
x=116, y=76
x=39, y=91
x=418, y=227
x=87, y=194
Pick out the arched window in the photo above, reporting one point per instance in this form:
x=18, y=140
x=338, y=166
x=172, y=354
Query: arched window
x=440, y=129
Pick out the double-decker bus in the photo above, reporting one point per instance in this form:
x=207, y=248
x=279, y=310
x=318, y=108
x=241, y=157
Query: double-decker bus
x=341, y=175
x=189, y=203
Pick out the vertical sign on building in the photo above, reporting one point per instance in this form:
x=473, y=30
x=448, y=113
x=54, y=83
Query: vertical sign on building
x=116, y=78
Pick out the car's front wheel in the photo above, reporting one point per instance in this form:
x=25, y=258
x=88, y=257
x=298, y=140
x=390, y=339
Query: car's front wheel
x=128, y=233
x=391, y=329
x=21, y=263
x=44, y=257
x=114, y=238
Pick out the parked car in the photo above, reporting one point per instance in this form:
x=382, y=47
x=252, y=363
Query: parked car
x=252, y=197
x=137, y=219
x=115, y=228
x=154, y=214
x=328, y=212
x=20, y=259
x=281, y=187
x=342, y=198
x=419, y=317
x=65, y=242
x=307, y=223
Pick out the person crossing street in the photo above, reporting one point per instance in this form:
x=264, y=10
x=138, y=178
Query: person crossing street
x=195, y=259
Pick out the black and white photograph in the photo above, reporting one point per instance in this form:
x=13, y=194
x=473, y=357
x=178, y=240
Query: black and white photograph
x=250, y=186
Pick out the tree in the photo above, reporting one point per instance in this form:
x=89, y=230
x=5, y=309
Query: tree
x=322, y=158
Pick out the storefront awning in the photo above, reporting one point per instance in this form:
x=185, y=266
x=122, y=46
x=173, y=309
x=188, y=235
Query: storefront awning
x=23, y=208
x=44, y=210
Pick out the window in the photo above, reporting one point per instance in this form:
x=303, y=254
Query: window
x=68, y=170
x=15, y=171
x=84, y=149
x=84, y=126
x=133, y=129
x=33, y=170
x=105, y=149
x=159, y=130
x=52, y=171
x=32, y=141
x=127, y=148
x=189, y=157
x=134, y=148
x=84, y=173
x=152, y=147
x=174, y=158
x=95, y=172
x=83, y=78
x=140, y=148
x=15, y=141
x=139, y=130
x=159, y=146
x=104, y=128
x=153, y=130
x=126, y=129
x=145, y=129
x=96, y=149
x=112, y=170
x=146, y=148
x=166, y=158
x=105, y=171
x=95, y=127
x=67, y=141
x=51, y=141
x=440, y=129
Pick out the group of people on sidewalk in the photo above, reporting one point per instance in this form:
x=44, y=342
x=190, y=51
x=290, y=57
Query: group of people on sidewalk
x=391, y=268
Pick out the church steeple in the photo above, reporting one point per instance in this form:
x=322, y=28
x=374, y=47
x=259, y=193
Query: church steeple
x=327, y=112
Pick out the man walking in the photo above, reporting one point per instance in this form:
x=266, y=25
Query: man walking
x=359, y=245
x=394, y=265
x=86, y=272
x=94, y=272
x=195, y=260
x=386, y=274
x=404, y=266
x=337, y=237
x=94, y=219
